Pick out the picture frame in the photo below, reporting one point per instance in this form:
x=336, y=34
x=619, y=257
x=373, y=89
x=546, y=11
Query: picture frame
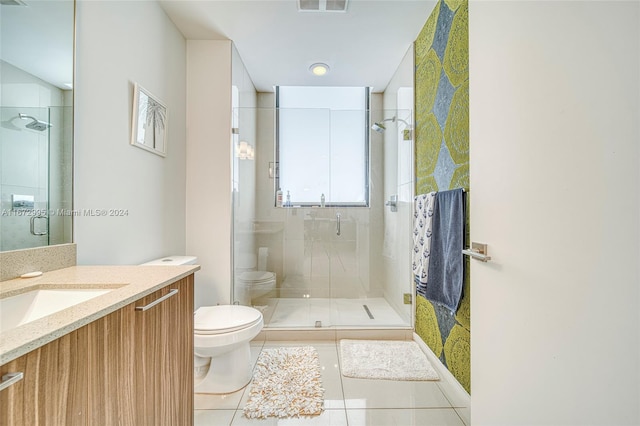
x=149, y=122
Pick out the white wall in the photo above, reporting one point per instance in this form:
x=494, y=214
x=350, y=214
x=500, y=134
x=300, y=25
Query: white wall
x=395, y=256
x=554, y=163
x=209, y=167
x=119, y=43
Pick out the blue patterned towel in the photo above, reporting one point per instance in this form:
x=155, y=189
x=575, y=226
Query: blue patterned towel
x=422, y=217
x=445, y=277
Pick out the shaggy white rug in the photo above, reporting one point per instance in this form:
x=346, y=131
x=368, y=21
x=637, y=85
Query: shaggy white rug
x=385, y=359
x=286, y=383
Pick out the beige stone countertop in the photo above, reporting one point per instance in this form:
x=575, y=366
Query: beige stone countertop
x=128, y=284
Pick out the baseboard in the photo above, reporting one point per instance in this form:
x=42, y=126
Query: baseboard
x=458, y=395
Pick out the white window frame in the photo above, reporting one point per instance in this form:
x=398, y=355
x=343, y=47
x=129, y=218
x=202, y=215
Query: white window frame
x=367, y=153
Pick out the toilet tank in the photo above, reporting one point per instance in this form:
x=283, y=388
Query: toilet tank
x=174, y=260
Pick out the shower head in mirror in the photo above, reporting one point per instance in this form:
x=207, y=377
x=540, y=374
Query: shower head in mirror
x=35, y=124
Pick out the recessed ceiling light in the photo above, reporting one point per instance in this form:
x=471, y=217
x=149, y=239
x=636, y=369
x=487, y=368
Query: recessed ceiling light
x=319, y=68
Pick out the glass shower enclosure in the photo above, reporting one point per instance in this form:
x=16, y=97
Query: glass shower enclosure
x=335, y=263
x=35, y=176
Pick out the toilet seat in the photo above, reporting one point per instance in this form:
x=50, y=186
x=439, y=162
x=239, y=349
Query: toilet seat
x=212, y=320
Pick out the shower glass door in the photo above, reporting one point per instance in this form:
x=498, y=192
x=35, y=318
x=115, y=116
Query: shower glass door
x=35, y=176
x=336, y=263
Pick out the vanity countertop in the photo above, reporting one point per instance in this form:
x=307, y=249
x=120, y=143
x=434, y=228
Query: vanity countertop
x=128, y=284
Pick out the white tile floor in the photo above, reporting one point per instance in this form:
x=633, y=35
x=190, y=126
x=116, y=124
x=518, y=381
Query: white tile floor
x=348, y=401
x=302, y=312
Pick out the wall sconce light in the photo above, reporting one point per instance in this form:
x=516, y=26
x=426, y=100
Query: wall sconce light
x=245, y=151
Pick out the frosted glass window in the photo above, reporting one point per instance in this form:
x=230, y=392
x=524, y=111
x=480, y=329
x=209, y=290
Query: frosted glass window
x=323, y=144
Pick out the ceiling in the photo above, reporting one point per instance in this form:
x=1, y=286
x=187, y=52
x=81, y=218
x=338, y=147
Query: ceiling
x=38, y=38
x=362, y=46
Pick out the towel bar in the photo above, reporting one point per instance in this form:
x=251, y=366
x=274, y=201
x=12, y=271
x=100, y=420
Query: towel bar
x=478, y=251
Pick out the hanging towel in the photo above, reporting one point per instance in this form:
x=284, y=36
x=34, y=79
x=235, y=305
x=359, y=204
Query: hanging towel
x=422, y=218
x=445, y=277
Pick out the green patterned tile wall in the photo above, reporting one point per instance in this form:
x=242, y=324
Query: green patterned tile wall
x=442, y=160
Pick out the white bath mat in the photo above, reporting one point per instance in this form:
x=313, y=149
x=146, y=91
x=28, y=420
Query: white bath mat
x=385, y=359
x=286, y=383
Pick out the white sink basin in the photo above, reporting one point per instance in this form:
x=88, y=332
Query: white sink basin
x=32, y=305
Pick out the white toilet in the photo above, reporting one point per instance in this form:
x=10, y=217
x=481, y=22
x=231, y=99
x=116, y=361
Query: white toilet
x=222, y=354
x=254, y=284
x=222, y=361
x=174, y=260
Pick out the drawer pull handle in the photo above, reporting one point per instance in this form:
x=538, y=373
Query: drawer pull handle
x=9, y=379
x=172, y=292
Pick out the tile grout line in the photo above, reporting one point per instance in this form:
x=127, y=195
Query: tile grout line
x=344, y=401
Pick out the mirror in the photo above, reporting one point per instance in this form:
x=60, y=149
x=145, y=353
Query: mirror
x=36, y=122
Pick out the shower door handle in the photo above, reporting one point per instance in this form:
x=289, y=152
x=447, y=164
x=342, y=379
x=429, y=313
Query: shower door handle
x=32, y=225
x=337, y=223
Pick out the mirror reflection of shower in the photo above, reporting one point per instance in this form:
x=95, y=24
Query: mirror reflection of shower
x=380, y=127
x=35, y=124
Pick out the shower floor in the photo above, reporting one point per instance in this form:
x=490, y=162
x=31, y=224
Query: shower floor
x=305, y=312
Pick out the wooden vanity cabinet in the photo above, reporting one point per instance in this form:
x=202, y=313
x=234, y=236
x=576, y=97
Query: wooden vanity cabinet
x=131, y=367
x=54, y=388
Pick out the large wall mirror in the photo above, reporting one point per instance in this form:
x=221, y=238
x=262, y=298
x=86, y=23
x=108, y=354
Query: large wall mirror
x=36, y=122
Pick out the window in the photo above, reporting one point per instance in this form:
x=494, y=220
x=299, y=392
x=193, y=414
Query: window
x=322, y=145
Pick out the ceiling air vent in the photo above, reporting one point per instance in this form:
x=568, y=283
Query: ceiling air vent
x=322, y=5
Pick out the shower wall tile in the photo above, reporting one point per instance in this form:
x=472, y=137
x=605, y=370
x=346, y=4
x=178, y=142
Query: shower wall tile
x=25, y=155
x=349, y=288
x=295, y=263
x=15, y=227
x=21, y=152
x=319, y=258
x=294, y=223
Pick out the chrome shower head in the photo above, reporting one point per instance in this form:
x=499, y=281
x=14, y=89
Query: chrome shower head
x=378, y=127
x=35, y=124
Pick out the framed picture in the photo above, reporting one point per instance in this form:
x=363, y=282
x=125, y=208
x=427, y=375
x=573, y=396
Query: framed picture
x=149, y=126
